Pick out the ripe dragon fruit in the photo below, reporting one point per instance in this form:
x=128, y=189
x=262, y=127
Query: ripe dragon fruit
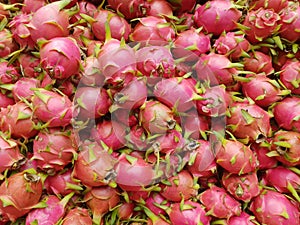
x=29, y=65
x=258, y=62
x=194, y=125
x=18, y=121
x=249, y=122
x=27, y=184
x=77, y=216
x=217, y=16
x=155, y=199
x=8, y=73
x=235, y=157
x=243, y=219
x=136, y=138
x=5, y=100
x=53, y=149
x=271, y=207
x=91, y=74
x=31, y=6
x=219, y=204
x=159, y=8
x=22, y=89
x=94, y=166
x=261, y=153
x=86, y=8
x=60, y=57
x=289, y=76
x=52, y=108
x=6, y=43
x=182, y=6
x=276, y=5
x=130, y=8
x=286, y=113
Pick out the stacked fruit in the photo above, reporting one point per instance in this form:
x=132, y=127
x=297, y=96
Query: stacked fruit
x=150, y=112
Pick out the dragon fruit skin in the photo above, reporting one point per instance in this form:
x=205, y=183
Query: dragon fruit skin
x=5, y=100
x=249, y=122
x=52, y=108
x=50, y=17
x=243, y=187
x=290, y=75
x=91, y=74
x=8, y=73
x=258, y=62
x=271, y=207
x=191, y=213
x=264, y=161
x=276, y=5
x=182, y=6
x=169, y=142
x=18, y=120
x=217, y=16
x=286, y=113
x=219, y=204
x=54, y=149
x=261, y=24
x=29, y=65
x=130, y=8
x=6, y=43
x=236, y=158
x=154, y=199
x=77, y=216
x=22, y=89
x=60, y=57
x=232, y=45
x=94, y=166
x=31, y=6
x=243, y=219
x=195, y=125
x=26, y=184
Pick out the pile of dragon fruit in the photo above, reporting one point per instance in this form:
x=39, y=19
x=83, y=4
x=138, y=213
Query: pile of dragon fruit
x=151, y=112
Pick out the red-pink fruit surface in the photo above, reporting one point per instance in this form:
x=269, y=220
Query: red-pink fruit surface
x=8, y=73
x=264, y=161
x=29, y=65
x=290, y=76
x=183, y=6
x=159, y=8
x=243, y=219
x=195, y=125
x=77, y=216
x=189, y=212
x=219, y=204
x=169, y=142
x=236, y=157
x=217, y=16
x=60, y=57
x=7, y=45
x=32, y=5
x=130, y=8
x=258, y=62
x=5, y=100
x=271, y=207
x=155, y=199
x=23, y=88
x=276, y=5
x=91, y=74
x=136, y=138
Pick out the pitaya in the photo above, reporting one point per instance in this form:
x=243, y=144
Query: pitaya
x=194, y=126
x=130, y=8
x=243, y=219
x=154, y=200
x=91, y=74
x=182, y=6
x=8, y=73
x=31, y=6
x=290, y=75
x=87, y=8
x=261, y=153
x=22, y=89
x=159, y=8
x=77, y=216
x=219, y=204
x=5, y=100
x=217, y=16
x=169, y=142
x=258, y=62
x=276, y=5
x=271, y=207
x=7, y=45
x=29, y=65
x=136, y=138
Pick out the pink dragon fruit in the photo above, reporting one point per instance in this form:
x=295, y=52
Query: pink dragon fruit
x=23, y=88
x=77, y=216
x=261, y=23
x=51, y=17
x=286, y=113
x=125, y=210
x=8, y=73
x=152, y=30
x=94, y=166
x=86, y=8
x=169, y=142
x=18, y=121
x=249, y=122
x=159, y=8
x=258, y=62
x=52, y=108
x=290, y=22
x=188, y=212
x=219, y=204
x=216, y=69
x=26, y=184
x=271, y=207
x=155, y=199
x=156, y=118
x=5, y=100
x=130, y=8
x=285, y=147
x=232, y=45
x=53, y=149
x=235, y=157
x=217, y=16
x=81, y=34
x=31, y=6
x=127, y=118
x=261, y=153
x=7, y=45
x=182, y=6
x=194, y=125
x=51, y=214
x=243, y=219
x=29, y=65
x=289, y=76
x=60, y=57
x=243, y=187
x=276, y=5
x=11, y=157
x=91, y=74
x=136, y=138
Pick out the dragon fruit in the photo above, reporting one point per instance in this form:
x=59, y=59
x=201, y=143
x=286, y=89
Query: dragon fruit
x=243, y=219
x=27, y=184
x=82, y=35
x=5, y=100
x=286, y=113
x=188, y=212
x=194, y=125
x=51, y=17
x=51, y=214
x=271, y=207
x=249, y=122
x=276, y=5
x=232, y=45
x=156, y=118
x=159, y=8
x=86, y=8
x=18, y=121
x=235, y=157
x=53, y=149
x=155, y=199
x=91, y=74
x=258, y=62
x=289, y=76
x=261, y=153
x=7, y=45
x=31, y=6
x=136, y=138
x=100, y=200
x=60, y=57
x=217, y=16
x=23, y=88
x=290, y=22
x=52, y=108
x=169, y=142
x=219, y=204
x=8, y=73
x=29, y=65
x=243, y=187
x=182, y=6
x=77, y=216
x=285, y=147
x=94, y=166
x=130, y=8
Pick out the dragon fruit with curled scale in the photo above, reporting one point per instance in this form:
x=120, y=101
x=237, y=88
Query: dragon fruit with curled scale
x=276, y=5
x=8, y=73
x=290, y=75
x=7, y=46
x=130, y=8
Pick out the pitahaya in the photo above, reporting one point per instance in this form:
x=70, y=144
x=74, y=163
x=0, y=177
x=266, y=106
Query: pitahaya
x=60, y=57
x=7, y=45
x=87, y=8
x=276, y=5
x=31, y=6
x=91, y=74
x=258, y=62
x=22, y=89
x=271, y=207
x=159, y=8
x=154, y=200
x=82, y=35
x=77, y=216
x=5, y=100
x=261, y=153
x=194, y=126
x=130, y=8
x=29, y=65
x=182, y=6
x=290, y=75
x=8, y=73
x=217, y=16
x=169, y=142
x=136, y=138
x=219, y=204
x=243, y=219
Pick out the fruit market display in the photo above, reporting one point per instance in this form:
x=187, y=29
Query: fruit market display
x=149, y=112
